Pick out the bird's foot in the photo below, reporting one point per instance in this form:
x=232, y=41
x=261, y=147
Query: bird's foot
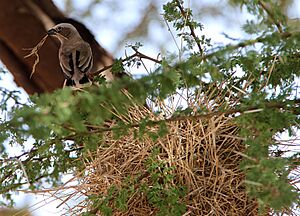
x=75, y=88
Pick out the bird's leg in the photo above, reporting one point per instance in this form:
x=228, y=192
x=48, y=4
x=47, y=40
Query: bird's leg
x=65, y=82
x=77, y=86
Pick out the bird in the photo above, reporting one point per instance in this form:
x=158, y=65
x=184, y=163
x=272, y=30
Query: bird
x=75, y=54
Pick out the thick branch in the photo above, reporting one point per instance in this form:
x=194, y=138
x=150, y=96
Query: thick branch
x=22, y=25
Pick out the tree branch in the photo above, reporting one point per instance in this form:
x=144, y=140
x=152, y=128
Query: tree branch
x=136, y=54
x=185, y=15
x=271, y=15
x=251, y=109
x=242, y=44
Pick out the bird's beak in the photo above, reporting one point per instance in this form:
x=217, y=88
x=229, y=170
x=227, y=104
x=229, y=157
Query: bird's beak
x=52, y=32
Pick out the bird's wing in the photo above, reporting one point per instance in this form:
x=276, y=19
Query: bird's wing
x=84, y=57
x=66, y=63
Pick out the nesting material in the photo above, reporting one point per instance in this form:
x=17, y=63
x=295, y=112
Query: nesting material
x=34, y=51
x=203, y=156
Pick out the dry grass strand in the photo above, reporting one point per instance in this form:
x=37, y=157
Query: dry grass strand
x=34, y=51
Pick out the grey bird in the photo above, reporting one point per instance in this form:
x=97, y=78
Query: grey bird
x=75, y=55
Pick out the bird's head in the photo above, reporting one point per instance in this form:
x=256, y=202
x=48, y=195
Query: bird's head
x=64, y=32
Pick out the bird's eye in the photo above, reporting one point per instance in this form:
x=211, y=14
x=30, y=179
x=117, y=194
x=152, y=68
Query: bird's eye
x=59, y=28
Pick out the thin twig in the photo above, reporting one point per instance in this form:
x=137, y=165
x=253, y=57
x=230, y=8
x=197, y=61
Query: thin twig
x=143, y=56
x=201, y=58
x=271, y=15
x=182, y=11
x=136, y=54
x=173, y=37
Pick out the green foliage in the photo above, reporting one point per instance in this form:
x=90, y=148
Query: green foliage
x=181, y=17
x=117, y=66
x=160, y=191
x=266, y=177
x=64, y=126
x=158, y=188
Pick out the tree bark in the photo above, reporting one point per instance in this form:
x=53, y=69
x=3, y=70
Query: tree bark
x=22, y=25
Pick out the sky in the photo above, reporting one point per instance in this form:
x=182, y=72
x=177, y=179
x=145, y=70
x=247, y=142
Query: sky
x=109, y=31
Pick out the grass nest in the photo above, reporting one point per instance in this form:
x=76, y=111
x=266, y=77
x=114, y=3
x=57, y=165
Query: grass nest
x=192, y=170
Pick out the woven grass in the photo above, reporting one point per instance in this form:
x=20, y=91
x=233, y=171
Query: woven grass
x=203, y=156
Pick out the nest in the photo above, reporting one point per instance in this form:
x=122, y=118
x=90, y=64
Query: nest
x=202, y=156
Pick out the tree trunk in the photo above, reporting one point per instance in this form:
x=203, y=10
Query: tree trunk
x=22, y=25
